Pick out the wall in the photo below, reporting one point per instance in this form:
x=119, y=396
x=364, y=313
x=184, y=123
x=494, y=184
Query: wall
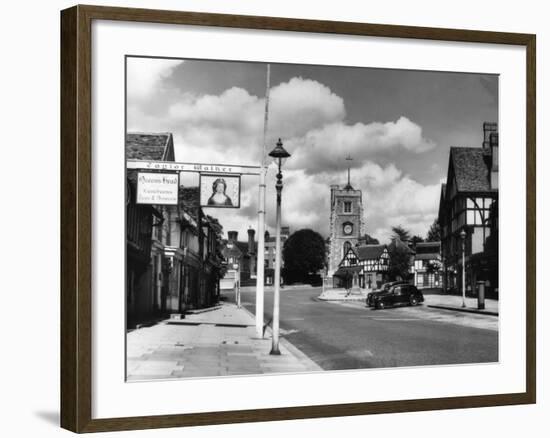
x=30, y=95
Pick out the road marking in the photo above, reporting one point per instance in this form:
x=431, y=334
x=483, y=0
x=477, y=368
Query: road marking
x=394, y=319
x=284, y=332
x=360, y=354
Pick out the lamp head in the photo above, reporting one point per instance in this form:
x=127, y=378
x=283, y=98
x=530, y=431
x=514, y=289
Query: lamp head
x=279, y=153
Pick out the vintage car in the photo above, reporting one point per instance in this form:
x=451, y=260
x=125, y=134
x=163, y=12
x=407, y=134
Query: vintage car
x=399, y=295
x=384, y=288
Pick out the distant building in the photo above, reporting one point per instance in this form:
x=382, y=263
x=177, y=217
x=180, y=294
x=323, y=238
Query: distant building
x=202, y=246
x=364, y=266
x=269, y=254
x=240, y=258
x=468, y=202
x=427, y=265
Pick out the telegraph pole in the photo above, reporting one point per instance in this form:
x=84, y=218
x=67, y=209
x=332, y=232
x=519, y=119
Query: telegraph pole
x=261, y=222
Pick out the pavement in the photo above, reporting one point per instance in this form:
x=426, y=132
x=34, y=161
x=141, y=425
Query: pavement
x=454, y=302
x=219, y=342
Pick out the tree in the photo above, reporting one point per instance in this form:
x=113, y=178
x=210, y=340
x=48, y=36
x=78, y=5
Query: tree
x=401, y=233
x=400, y=257
x=415, y=240
x=304, y=253
x=434, y=233
x=369, y=240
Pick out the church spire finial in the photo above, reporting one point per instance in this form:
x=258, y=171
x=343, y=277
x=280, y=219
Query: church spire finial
x=348, y=186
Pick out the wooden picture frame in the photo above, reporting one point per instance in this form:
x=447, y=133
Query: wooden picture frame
x=76, y=217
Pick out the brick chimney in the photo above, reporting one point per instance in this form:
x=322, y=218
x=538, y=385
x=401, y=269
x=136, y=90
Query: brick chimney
x=493, y=142
x=251, y=233
x=488, y=129
x=232, y=236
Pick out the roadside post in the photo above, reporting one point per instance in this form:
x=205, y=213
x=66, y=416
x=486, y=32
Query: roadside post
x=481, y=295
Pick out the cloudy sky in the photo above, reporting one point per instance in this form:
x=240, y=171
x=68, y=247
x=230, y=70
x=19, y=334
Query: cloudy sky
x=397, y=125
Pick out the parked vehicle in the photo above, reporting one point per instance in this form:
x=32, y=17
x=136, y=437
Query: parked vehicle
x=384, y=288
x=399, y=295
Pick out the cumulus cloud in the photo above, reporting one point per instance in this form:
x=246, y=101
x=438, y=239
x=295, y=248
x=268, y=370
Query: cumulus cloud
x=320, y=149
x=300, y=105
x=144, y=75
x=401, y=201
x=311, y=119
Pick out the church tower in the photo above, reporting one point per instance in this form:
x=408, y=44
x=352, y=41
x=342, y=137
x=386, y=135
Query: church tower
x=346, y=221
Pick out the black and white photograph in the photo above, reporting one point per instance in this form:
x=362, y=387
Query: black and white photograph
x=325, y=218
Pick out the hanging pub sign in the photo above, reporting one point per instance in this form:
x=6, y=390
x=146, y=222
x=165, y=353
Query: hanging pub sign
x=220, y=190
x=157, y=188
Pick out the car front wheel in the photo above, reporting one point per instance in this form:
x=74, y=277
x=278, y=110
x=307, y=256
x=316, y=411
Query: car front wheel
x=380, y=305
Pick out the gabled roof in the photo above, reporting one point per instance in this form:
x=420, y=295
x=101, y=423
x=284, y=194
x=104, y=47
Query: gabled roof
x=233, y=249
x=150, y=146
x=470, y=170
x=369, y=252
x=400, y=244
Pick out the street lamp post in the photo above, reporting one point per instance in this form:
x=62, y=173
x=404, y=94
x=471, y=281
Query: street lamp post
x=463, y=237
x=279, y=154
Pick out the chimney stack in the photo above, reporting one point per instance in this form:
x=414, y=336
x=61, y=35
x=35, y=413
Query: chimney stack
x=232, y=236
x=493, y=141
x=251, y=233
x=488, y=129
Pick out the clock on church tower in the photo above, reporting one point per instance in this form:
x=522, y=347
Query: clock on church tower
x=346, y=222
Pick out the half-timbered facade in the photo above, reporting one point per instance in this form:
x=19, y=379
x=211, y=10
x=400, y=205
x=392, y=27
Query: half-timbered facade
x=467, y=203
x=427, y=265
x=363, y=266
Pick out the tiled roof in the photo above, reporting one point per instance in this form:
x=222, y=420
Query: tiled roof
x=369, y=252
x=471, y=172
x=142, y=146
x=399, y=243
x=345, y=271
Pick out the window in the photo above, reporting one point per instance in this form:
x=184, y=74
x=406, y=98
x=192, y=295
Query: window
x=347, y=207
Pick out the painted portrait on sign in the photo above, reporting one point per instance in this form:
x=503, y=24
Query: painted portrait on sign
x=220, y=191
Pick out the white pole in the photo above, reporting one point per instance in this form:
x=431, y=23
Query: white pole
x=261, y=223
x=463, y=272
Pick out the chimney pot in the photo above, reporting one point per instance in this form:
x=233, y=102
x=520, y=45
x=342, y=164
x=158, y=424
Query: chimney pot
x=251, y=233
